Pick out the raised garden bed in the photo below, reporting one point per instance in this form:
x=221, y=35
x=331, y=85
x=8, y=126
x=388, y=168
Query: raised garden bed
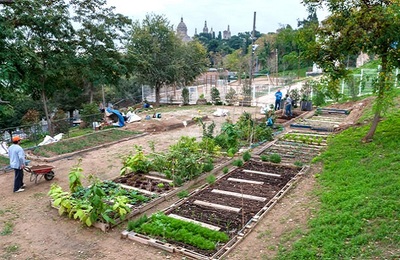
x=321, y=121
x=296, y=147
x=231, y=205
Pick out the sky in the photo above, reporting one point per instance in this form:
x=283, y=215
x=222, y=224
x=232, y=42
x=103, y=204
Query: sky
x=239, y=15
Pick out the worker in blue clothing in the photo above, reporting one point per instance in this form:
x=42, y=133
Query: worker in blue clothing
x=278, y=98
x=17, y=162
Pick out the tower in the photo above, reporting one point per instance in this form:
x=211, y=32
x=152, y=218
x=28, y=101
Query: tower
x=205, y=29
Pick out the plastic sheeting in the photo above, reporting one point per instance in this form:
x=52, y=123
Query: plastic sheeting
x=48, y=139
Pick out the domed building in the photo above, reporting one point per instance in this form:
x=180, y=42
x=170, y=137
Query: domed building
x=181, y=31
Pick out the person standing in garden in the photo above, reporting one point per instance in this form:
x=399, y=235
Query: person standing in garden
x=278, y=98
x=288, y=105
x=17, y=162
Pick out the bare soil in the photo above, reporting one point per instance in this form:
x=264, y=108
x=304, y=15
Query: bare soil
x=31, y=229
x=228, y=221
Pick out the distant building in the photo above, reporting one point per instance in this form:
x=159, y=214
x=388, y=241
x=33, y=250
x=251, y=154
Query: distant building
x=205, y=28
x=226, y=35
x=362, y=59
x=181, y=31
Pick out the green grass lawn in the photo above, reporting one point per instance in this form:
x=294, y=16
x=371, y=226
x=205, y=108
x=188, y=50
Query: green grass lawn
x=82, y=142
x=359, y=195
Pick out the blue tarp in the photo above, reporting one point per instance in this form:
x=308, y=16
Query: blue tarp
x=121, y=120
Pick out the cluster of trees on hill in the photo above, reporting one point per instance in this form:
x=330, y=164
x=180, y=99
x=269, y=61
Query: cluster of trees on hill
x=65, y=53
x=62, y=54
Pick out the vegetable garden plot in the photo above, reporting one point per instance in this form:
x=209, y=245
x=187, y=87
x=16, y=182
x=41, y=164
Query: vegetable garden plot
x=321, y=122
x=102, y=205
x=226, y=206
x=296, y=147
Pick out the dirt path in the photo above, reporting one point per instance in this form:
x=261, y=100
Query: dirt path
x=31, y=229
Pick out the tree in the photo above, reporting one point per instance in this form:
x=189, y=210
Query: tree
x=42, y=44
x=161, y=58
x=100, y=34
x=369, y=26
x=152, y=47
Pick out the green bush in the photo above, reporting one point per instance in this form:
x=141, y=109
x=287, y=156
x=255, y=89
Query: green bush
x=211, y=179
x=231, y=152
x=185, y=96
x=264, y=158
x=246, y=156
x=225, y=170
x=275, y=158
x=238, y=163
x=207, y=167
x=182, y=194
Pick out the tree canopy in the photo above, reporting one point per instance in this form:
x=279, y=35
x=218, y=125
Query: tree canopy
x=353, y=27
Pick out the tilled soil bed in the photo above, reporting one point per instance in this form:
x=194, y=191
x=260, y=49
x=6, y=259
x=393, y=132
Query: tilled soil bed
x=144, y=182
x=235, y=198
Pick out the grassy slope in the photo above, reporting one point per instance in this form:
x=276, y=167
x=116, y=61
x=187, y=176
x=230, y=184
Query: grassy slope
x=359, y=191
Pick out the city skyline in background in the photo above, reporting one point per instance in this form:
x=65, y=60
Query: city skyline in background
x=220, y=14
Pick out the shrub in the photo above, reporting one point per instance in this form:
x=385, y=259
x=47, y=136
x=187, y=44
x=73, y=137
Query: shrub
x=246, y=156
x=182, y=194
x=264, y=158
x=185, y=96
x=207, y=167
x=211, y=179
x=298, y=163
x=231, y=152
x=215, y=95
x=238, y=163
x=275, y=158
x=225, y=170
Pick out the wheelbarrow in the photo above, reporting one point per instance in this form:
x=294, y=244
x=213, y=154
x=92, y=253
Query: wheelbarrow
x=39, y=171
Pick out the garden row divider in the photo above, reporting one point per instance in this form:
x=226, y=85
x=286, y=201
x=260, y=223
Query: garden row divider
x=258, y=216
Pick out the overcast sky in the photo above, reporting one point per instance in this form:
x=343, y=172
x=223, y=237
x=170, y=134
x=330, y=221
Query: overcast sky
x=270, y=14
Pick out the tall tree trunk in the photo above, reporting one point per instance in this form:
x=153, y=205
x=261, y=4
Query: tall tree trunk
x=46, y=111
x=369, y=136
x=382, y=92
x=157, y=88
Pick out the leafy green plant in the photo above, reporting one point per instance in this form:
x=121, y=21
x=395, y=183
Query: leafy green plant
x=160, y=185
x=160, y=225
x=275, y=158
x=182, y=194
x=7, y=229
x=231, y=152
x=137, y=163
x=246, y=156
x=264, y=158
x=298, y=163
x=225, y=170
x=238, y=163
x=75, y=176
x=211, y=179
x=207, y=167
x=99, y=202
